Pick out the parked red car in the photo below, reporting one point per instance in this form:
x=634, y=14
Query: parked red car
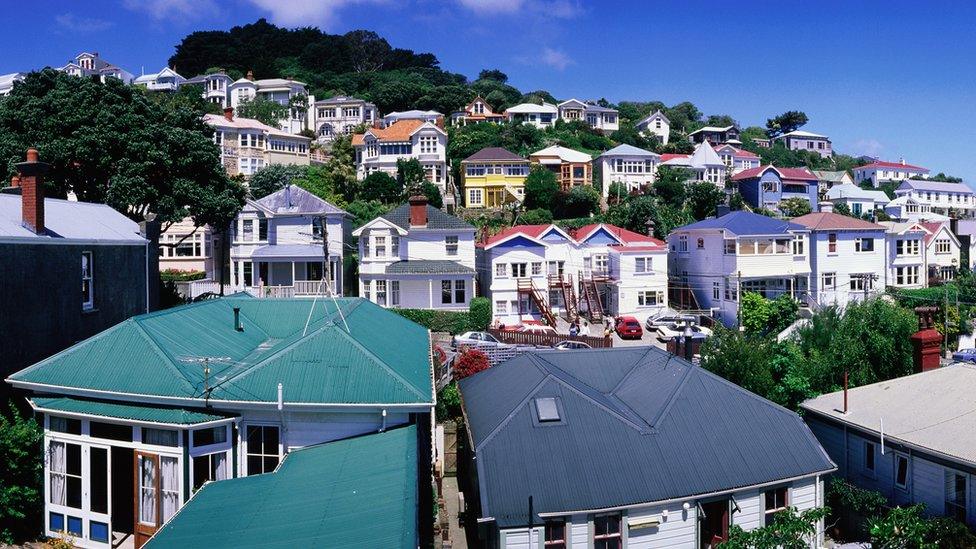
x=629, y=327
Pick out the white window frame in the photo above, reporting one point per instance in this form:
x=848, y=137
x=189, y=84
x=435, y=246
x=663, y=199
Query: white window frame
x=88, y=280
x=245, y=469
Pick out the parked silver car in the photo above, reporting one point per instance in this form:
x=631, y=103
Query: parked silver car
x=476, y=339
x=571, y=345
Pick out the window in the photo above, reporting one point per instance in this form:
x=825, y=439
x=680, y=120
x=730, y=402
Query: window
x=428, y=144
x=701, y=243
x=380, y=292
x=366, y=284
x=247, y=230
x=774, y=502
x=682, y=243
x=642, y=265
x=263, y=229
x=955, y=500
x=475, y=197
x=798, y=246
x=209, y=467
x=869, y=464
x=160, y=437
x=907, y=247
x=64, y=425
x=365, y=241
x=606, y=532
x=212, y=435
x=87, y=293
x=730, y=246
x=501, y=307
x=394, y=292
x=380, y=246
x=555, y=534
x=864, y=245
x=169, y=486
x=536, y=268
x=459, y=291
x=828, y=281
x=832, y=243
x=906, y=276
x=451, y=244
x=947, y=273
x=518, y=270
x=716, y=291
x=731, y=290
x=901, y=471
x=500, y=269
x=64, y=466
x=649, y=298
x=942, y=246
x=110, y=431
x=263, y=449
x=445, y=291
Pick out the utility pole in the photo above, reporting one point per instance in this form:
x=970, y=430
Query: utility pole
x=326, y=263
x=738, y=299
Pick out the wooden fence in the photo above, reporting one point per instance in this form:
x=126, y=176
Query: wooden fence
x=548, y=339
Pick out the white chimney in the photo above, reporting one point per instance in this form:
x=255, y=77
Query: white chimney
x=826, y=206
x=902, y=160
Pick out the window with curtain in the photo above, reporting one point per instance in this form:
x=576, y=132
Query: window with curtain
x=160, y=437
x=64, y=465
x=147, y=491
x=262, y=449
x=209, y=467
x=169, y=485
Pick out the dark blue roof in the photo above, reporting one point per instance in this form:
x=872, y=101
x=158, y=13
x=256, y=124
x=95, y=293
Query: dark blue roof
x=636, y=425
x=745, y=223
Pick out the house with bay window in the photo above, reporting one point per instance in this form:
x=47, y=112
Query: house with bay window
x=767, y=186
x=162, y=406
x=656, y=124
x=942, y=252
x=166, y=79
x=379, y=149
x=215, y=87
x=603, y=119
x=579, y=429
x=541, y=116
x=493, y=177
x=284, y=91
x=247, y=145
x=631, y=166
x=572, y=168
x=716, y=135
x=847, y=258
x=417, y=257
x=799, y=140
x=534, y=272
x=906, y=254
x=279, y=244
x=339, y=115
x=713, y=261
x=476, y=112
x=858, y=200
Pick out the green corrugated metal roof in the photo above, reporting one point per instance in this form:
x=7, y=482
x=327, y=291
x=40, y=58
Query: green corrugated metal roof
x=174, y=416
x=383, y=358
x=359, y=492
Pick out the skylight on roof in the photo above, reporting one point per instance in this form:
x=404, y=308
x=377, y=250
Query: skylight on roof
x=547, y=409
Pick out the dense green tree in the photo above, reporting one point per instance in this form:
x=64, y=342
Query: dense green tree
x=843, y=209
x=628, y=134
x=445, y=99
x=785, y=123
x=761, y=316
x=273, y=177
x=493, y=74
x=541, y=189
x=538, y=216
x=263, y=110
x=720, y=120
x=410, y=174
x=109, y=142
x=617, y=192
x=736, y=202
x=381, y=187
x=795, y=207
x=363, y=211
x=21, y=477
x=703, y=199
x=790, y=529
x=578, y=202
x=670, y=185
x=433, y=194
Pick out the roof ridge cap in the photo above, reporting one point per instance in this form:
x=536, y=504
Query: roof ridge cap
x=167, y=358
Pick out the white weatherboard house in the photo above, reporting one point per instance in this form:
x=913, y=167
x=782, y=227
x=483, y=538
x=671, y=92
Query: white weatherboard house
x=140, y=417
x=879, y=171
x=906, y=254
x=799, y=140
x=717, y=259
x=164, y=80
x=629, y=165
x=379, y=149
x=338, y=116
x=215, y=86
x=418, y=257
x=280, y=90
x=955, y=199
x=599, y=118
x=906, y=208
x=630, y=448
x=705, y=164
x=847, y=258
x=541, y=116
x=923, y=453
x=533, y=271
x=278, y=249
x=942, y=251
x=738, y=160
x=433, y=117
x=656, y=124
x=859, y=201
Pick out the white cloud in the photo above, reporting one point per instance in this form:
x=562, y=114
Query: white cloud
x=555, y=59
x=73, y=23
x=869, y=147
x=559, y=9
x=296, y=13
x=173, y=9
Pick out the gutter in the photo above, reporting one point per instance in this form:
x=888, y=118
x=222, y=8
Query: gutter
x=82, y=415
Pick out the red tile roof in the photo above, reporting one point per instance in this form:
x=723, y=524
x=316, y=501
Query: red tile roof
x=535, y=231
x=797, y=174
x=397, y=132
x=532, y=231
x=834, y=221
x=934, y=227
x=671, y=156
x=628, y=237
x=888, y=165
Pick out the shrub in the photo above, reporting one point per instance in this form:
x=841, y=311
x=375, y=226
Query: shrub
x=470, y=362
x=453, y=322
x=21, y=484
x=448, y=403
x=479, y=313
x=176, y=275
x=538, y=216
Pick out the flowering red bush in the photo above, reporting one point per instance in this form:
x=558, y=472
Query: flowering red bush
x=470, y=362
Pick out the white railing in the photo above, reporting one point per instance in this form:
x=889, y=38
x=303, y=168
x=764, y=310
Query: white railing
x=298, y=288
x=193, y=289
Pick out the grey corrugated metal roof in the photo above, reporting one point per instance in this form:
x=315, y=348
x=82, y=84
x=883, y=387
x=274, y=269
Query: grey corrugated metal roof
x=288, y=250
x=436, y=219
x=429, y=266
x=295, y=200
x=638, y=425
x=931, y=409
x=495, y=153
x=67, y=220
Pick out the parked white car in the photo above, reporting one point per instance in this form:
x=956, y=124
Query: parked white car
x=671, y=331
x=570, y=345
x=666, y=318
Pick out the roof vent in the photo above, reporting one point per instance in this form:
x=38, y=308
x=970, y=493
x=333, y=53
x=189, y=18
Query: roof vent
x=547, y=409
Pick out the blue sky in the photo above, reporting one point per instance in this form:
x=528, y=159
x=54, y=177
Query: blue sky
x=893, y=78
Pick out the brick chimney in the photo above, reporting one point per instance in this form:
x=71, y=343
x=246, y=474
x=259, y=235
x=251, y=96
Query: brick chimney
x=14, y=187
x=418, y=210
x=250, y=75
x=229, y=113
x=31, y=174
x=927, y=341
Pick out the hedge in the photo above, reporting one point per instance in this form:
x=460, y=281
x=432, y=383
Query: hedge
x=454, y=322
x=175, y=275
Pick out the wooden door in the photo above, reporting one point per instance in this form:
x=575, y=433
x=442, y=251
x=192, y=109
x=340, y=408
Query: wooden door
x=714, y=526
x=147, y=497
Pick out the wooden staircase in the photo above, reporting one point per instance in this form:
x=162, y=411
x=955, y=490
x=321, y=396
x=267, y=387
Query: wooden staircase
x=565, y=285
x=590, y=294
x=681, y=297
x=526, y=286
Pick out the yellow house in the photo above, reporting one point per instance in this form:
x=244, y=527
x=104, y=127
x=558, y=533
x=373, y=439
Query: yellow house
x=494, y=177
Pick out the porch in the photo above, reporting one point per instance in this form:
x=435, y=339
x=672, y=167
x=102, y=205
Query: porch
x=292, y=273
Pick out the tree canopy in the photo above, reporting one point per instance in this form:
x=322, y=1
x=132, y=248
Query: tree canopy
x=785, y=123
x=113, y=143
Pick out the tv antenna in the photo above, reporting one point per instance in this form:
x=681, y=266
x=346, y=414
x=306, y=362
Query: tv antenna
x=326, y=269
x=206, y=360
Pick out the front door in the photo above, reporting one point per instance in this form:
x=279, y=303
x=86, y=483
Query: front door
x=714, y=525
x=100, y=493
x=147, y=497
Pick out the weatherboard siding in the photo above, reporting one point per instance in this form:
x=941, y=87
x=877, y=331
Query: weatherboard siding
x=307, y=429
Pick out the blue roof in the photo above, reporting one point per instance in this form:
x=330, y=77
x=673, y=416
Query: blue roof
x=636, y=425
x=743, y=223
x=630, y=150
